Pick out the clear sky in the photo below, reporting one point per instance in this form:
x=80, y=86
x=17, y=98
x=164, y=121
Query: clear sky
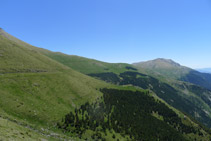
x=115, y=30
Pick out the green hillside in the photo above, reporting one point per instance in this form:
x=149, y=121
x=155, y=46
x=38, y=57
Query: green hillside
x=15, y=58
x=37, y=90
x=44, y=96
x=85, y=65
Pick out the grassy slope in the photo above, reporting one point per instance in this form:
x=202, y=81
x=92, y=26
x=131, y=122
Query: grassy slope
x=38, y=90
x=10, y=130
x=41, y=100
x=45, y=97
x=19, y=59
x=85, y=65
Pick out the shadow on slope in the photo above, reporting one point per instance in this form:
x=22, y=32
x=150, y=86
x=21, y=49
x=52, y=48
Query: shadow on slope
x=169, y=94
x=201, y=79
x=133, y=114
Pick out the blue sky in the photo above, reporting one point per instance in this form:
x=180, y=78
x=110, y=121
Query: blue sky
x=115, y=30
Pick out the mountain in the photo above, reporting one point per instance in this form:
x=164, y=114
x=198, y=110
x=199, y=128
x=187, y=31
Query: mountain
x=204, y=70
x=179, y=94
x=172, y=70
x=51, y=96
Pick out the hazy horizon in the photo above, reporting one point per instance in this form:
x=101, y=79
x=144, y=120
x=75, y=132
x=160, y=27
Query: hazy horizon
x=115, y=31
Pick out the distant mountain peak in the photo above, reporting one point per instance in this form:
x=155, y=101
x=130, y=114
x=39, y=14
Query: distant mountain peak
x=162, y=59
x=167, y=61
x=159, y=62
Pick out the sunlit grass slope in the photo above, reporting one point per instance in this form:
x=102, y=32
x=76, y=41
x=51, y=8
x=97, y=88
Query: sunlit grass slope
x=16, y=58
x=10, y=130
x=45, y=97
x=38, y=90
x=85, y=65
